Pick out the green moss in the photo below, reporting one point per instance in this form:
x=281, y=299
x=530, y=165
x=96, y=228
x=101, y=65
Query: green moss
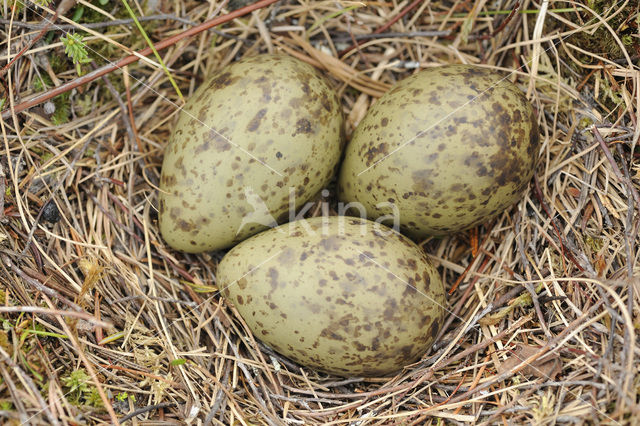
x=59, y=63
x=594, y=243
x=42, y=82
x=88, y=15
x=80, y=389
x=124, y=396
x=77, y=384
x=83, y=104
x=627, y=39
x=602, y=42
x=585, y=122
x=93, y=399
x=63, y=109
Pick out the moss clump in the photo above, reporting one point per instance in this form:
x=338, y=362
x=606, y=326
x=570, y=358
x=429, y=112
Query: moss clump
x=602, y=42
x=79, y=389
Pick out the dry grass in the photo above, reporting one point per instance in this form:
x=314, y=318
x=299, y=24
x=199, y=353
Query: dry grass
x=544, y=299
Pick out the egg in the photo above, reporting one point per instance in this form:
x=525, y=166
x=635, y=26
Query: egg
x=442, y=151
x=258, y=135
x=342, y=295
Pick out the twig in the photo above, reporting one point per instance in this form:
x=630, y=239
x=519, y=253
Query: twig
x=123, y=107
x=16, y=397
x=38, y=310
x=30, y=44
x=250, y=380
x=504, y=23
x=26, y=380
x=512, y=403
x=385, y=26
x=426, y=376
x=159, y=299
x=62, y=8
x=536, y=306
x=162, y=16
x=143, y=410
x=463, y=300
x=609, y=351
x=565, y=254
x=92, y=372
x=628, y=244
x=57, y=186
x=616, y=170
x=38, y=99
x=2, y=189
x=551, y=344
x=142, y=373
x=429, y=373
x=527, y=271
x=134, y=136
x=37, y=285
x=115, y=22
x=113, y=219
x=409, y=34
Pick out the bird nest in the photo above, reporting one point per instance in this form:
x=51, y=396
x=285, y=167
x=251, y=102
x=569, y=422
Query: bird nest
x=102, y=322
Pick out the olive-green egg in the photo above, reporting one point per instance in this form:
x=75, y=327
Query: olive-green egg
x=444, y=150
x=256, y=134
x=339, y=294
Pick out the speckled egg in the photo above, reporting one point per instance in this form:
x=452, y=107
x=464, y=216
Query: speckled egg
x=339, y=294
x=445, y=150
x=257, y=134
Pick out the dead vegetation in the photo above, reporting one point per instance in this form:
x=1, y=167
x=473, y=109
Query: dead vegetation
x=101, y=321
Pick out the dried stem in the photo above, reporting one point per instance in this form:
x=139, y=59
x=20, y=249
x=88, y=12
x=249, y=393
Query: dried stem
x=80, y=81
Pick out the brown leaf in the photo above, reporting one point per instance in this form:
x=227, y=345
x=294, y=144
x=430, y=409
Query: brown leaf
x=546, y=367
x=92, y=272
x=573, y=191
